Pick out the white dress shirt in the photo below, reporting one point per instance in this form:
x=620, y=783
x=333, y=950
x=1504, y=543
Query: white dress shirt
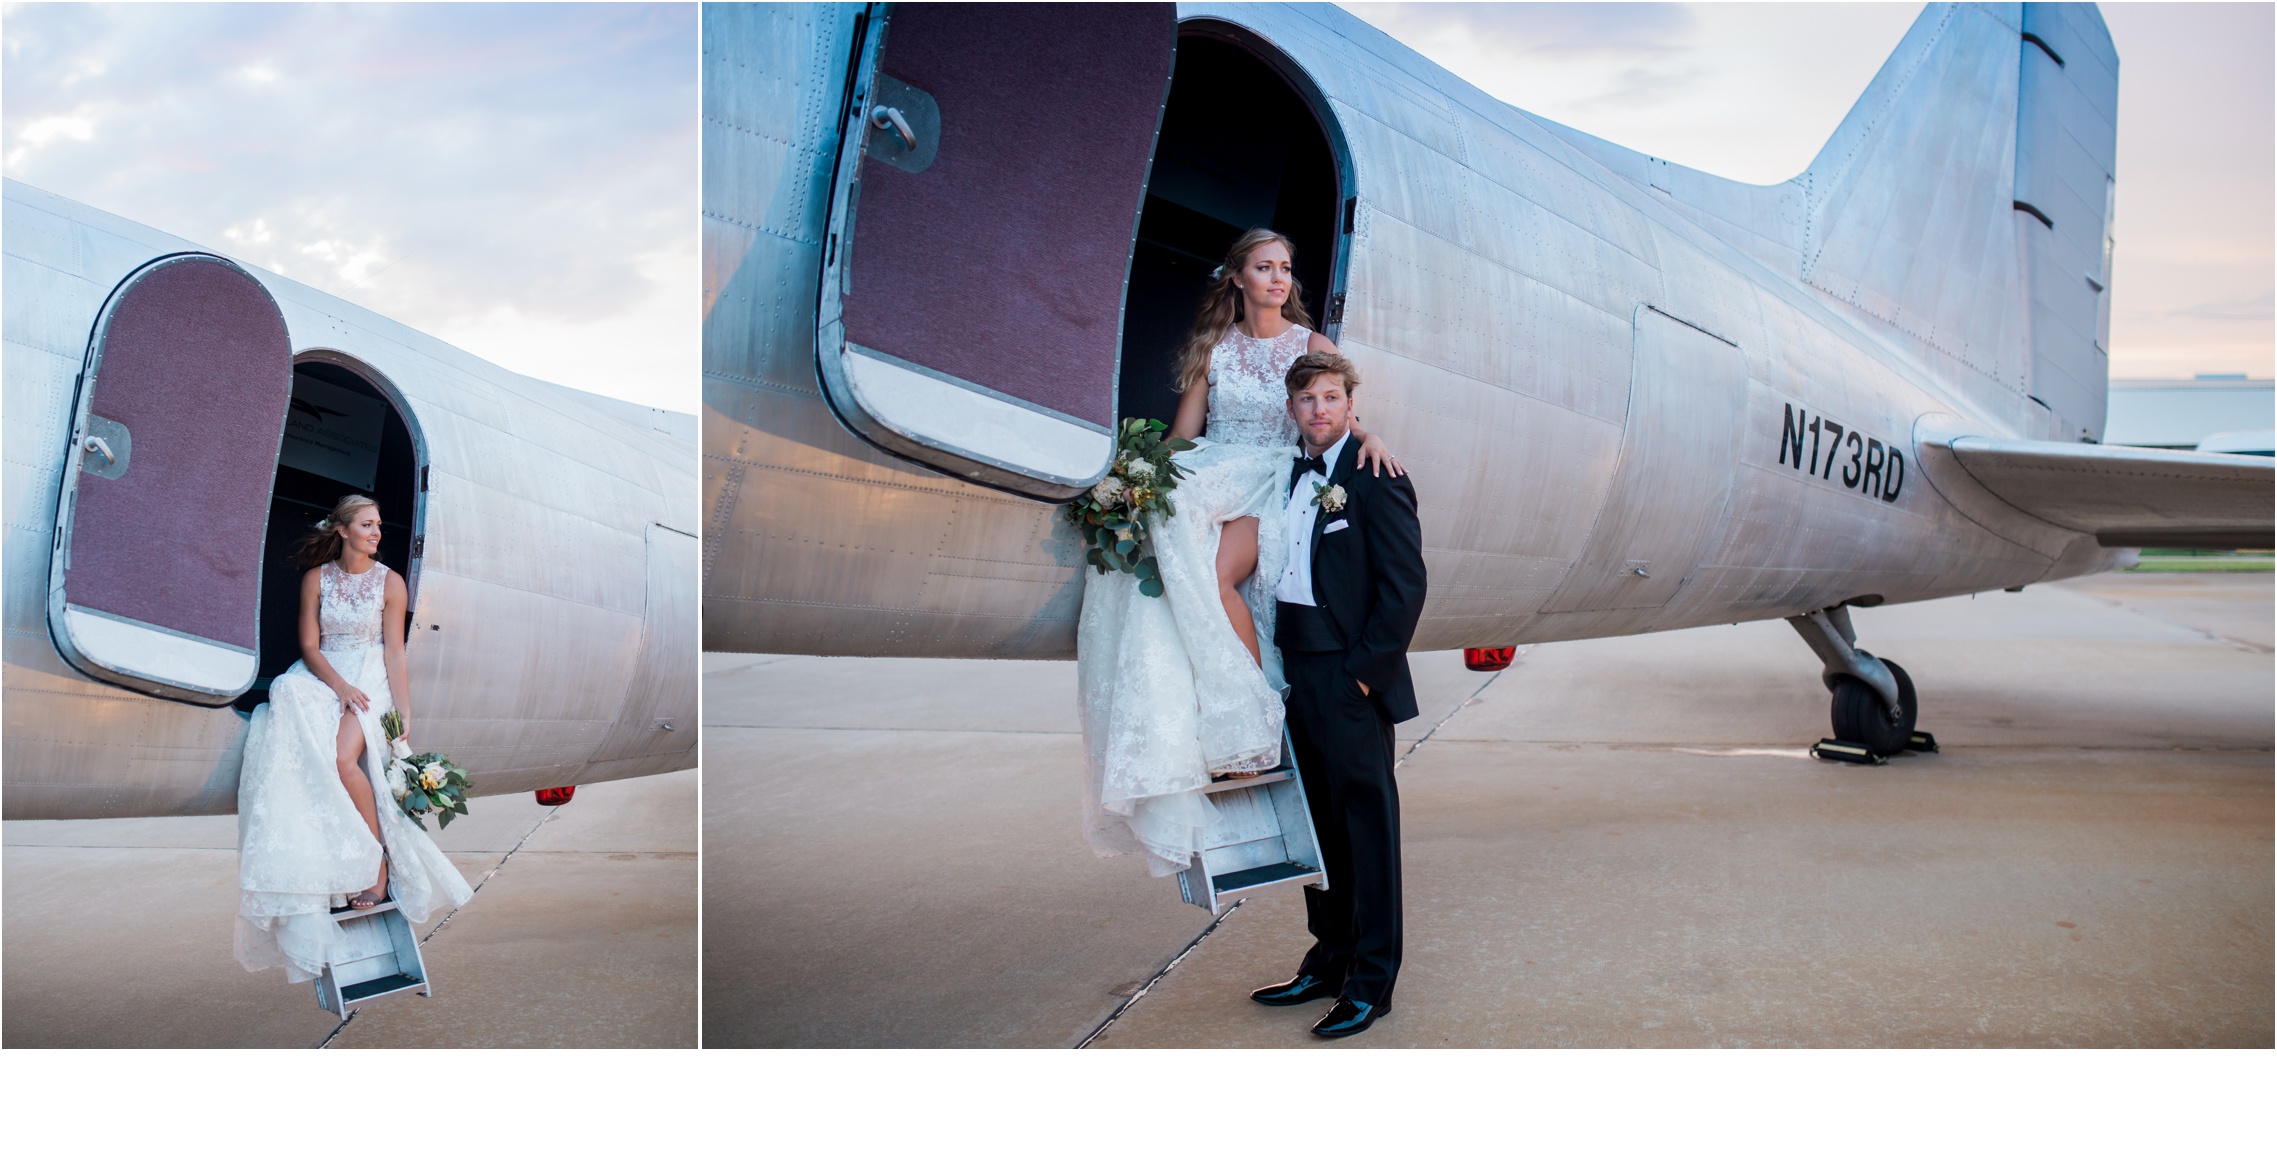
x=1296, y=579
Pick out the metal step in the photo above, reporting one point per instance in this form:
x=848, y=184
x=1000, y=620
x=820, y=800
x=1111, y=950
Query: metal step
x=379, y=960
x=1264, y=838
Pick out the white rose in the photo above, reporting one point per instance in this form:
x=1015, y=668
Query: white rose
x=432, y=776
x=396, y=784
x=1140, y=469
x=1108, y=492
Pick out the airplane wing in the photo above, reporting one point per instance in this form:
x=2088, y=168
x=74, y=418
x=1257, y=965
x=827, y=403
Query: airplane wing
x=2130, y=497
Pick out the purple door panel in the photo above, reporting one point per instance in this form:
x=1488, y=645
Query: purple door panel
x=1003, y=262
x=191, y=371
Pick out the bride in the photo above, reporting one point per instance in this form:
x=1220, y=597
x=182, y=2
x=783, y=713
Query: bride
x=316, y=826
x=1177, y=689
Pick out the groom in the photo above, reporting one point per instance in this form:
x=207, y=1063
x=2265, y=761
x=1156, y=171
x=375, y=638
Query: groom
x=1349, y=601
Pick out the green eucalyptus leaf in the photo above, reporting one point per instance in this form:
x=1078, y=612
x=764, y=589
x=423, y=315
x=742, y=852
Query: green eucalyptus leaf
x=1151, y=587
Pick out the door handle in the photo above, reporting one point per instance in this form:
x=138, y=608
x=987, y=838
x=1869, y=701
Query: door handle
x=106, y=448
x=885, y=117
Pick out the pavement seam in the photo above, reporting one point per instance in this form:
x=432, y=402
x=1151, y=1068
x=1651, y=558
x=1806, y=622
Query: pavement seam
x=2226, y=641
x=1157, y=977
x=749, y=666
x=479, y=884
x=333, y=1034
x=1515, y=657
x=1179, y=958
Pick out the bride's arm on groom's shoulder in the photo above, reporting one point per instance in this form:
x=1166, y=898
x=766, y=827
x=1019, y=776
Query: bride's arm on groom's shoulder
x=1375, y=454
x=396, y=605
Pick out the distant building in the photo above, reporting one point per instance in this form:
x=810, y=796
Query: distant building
x=2186, y=413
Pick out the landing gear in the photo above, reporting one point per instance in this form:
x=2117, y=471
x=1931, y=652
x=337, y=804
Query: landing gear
x=1874, y=708
x=1861, y=717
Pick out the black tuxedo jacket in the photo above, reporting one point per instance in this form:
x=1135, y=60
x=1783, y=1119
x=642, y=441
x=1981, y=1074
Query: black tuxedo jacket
x=1369, y=577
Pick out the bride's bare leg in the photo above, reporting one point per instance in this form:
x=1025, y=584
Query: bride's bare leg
x=1237, y=557
x=348, y=748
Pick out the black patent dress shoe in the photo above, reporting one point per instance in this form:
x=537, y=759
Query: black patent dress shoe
x=1349, y=1018
x=1302, y=989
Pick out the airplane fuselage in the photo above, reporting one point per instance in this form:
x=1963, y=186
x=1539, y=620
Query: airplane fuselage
x=1620, y=415
x=550, y=551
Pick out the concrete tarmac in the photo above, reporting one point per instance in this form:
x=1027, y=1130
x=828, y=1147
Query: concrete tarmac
x=1614, y=843
x=581, y=933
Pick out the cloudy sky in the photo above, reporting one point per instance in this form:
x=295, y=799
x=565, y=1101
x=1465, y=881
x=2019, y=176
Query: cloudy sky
x=1750, y=91
x=519, y=180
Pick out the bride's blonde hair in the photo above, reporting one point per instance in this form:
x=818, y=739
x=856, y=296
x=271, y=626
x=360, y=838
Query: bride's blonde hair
x=323, y=544
x=1222, y=306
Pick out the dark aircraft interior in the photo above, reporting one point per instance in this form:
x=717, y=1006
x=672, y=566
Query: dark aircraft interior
x=300, y=498
x=1239, y=148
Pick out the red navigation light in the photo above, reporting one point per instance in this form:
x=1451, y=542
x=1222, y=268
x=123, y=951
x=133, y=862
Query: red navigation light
x=1488, y=658
x=555, y=796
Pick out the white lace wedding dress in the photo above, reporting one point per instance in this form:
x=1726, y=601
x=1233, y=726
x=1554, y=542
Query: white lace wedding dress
x=1167, y=692
x=302, y=849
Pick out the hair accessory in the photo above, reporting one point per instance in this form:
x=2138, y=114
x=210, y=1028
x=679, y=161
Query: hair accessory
x=1217, y=273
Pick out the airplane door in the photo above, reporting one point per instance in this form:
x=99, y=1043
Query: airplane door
x=154, y=579
x=990, y=174
x=1678, y=451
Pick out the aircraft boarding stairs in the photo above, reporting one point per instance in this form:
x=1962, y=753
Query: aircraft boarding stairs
x=1264, y=838
x=382, y=959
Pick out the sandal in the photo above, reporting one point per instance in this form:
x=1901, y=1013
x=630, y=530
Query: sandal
x=1223, y=775
x=373, y=896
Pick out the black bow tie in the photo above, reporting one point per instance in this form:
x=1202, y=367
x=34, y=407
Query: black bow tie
x=1302, y=464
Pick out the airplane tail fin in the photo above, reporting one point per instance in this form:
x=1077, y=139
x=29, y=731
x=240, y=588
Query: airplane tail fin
x=1966, y=199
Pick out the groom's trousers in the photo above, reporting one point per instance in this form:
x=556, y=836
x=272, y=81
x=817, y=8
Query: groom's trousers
x=1343, y=742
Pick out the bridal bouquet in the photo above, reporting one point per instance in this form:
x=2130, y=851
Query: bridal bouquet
x=1112, y=517
x=425, y=782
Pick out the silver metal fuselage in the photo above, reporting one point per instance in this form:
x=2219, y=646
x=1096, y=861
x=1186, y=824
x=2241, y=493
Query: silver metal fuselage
x=554, y=595
x=1572, y=362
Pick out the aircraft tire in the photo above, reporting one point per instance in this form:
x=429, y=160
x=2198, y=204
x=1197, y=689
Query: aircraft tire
x=1859, y=716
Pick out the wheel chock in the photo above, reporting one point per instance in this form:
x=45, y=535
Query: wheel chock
x=1922, y=742
x=1842, y=752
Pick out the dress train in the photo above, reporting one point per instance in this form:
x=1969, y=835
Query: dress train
x=1167, y=692
x=302, y=847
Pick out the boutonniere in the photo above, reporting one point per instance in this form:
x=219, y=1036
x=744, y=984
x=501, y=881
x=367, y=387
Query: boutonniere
x=1330, y=497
